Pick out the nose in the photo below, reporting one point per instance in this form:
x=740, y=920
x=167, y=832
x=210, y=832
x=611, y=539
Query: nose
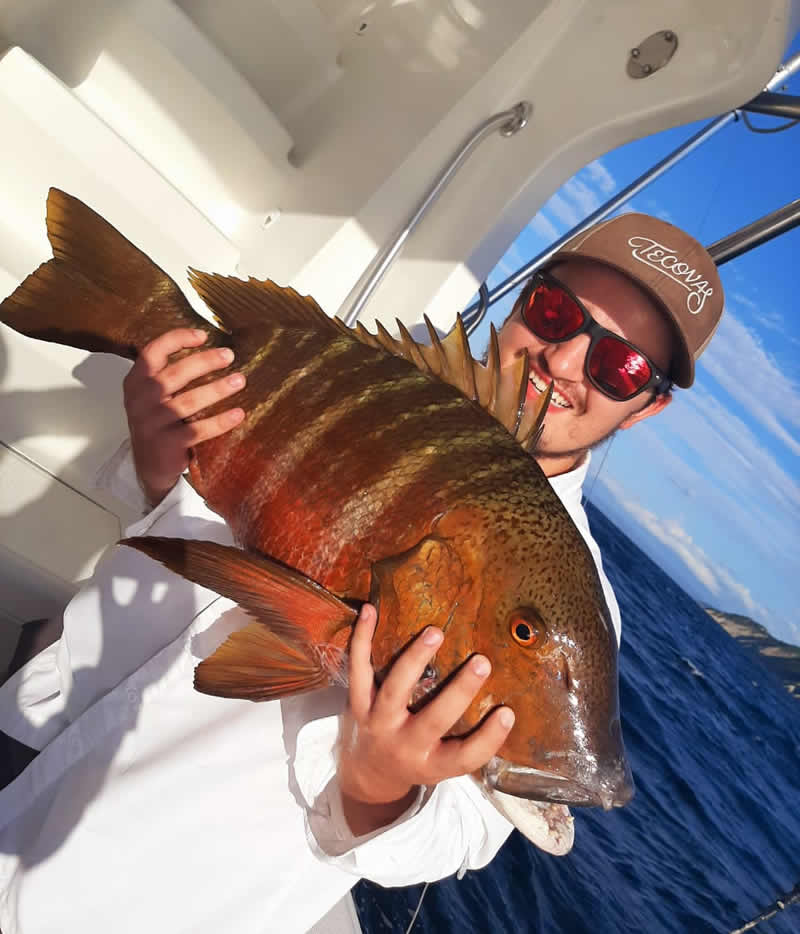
x=566, y=361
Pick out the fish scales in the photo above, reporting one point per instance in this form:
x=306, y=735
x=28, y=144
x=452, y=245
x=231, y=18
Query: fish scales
x=323, y=476
x=368, y=468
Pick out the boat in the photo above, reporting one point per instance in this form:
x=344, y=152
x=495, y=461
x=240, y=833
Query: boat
x=380, y=155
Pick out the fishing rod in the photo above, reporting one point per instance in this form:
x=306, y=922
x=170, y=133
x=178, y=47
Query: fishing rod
x=780, y=904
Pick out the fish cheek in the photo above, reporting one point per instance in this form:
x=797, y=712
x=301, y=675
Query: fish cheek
x=428, y=585
x=532, y=682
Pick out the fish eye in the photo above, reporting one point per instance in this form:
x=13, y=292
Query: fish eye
x=526, y=628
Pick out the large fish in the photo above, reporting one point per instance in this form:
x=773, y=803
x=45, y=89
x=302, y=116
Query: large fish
x=369, y=468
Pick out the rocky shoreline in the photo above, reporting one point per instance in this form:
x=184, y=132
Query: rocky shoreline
x=781, y=658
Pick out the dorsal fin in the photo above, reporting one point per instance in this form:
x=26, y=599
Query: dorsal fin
x=242, y=305
x=501, y=392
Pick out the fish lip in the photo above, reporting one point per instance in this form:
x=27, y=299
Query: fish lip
x=610, y=788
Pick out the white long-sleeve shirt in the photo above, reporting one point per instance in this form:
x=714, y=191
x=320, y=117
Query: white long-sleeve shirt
x=153, y=807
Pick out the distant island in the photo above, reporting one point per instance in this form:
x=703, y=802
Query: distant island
x=781, y=658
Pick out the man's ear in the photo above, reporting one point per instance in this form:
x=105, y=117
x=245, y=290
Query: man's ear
x=652, y=408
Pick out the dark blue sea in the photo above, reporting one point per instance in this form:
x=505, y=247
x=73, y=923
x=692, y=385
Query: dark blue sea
x=713, y=835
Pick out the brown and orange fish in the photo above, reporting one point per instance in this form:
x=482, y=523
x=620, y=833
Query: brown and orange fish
x=367, y=468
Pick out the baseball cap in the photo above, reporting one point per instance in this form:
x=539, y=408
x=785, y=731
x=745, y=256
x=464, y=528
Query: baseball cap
x=673, y=268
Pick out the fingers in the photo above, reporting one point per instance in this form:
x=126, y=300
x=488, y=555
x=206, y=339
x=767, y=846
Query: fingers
x=207, y=428
x=189, y=403
x=161, y=411
x=393, y=696
x=155, y=355
x=174, y=377
x=153, y=388
x=361, y=674
x=438, y=716
x=460, y=756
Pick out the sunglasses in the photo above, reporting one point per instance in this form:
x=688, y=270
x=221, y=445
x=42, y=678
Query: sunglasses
x=613, y=365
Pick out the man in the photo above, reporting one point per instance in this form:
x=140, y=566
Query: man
x=225, y=814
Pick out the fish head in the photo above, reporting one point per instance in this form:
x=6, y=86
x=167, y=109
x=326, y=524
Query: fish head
x=545, y=626
x=532, y=603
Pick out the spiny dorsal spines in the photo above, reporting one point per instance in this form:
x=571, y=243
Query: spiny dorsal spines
x=500, y=392
x=386, y=340
x=411, y=350
x=436, y=357
x=459, y=342
x=532, y=425
x=493, y=369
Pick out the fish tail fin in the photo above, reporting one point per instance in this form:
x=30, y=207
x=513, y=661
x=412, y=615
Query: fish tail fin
x=99, y=292
x=278, y=654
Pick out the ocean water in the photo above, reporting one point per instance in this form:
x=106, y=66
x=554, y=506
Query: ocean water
x=713, y=835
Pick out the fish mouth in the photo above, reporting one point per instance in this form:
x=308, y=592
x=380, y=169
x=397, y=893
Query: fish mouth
x=586, y=786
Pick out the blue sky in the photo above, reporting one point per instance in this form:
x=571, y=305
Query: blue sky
x=717, y=502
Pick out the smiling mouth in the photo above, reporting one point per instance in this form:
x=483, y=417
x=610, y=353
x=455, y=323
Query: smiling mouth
x=541, y=386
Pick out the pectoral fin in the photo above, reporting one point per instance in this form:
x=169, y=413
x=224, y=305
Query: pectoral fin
x=282, y=652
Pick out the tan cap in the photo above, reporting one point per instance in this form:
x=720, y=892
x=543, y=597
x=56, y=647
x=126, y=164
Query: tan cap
x=671, y=267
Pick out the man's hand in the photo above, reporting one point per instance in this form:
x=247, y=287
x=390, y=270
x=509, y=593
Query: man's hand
x=386, y=750
x=157, y=408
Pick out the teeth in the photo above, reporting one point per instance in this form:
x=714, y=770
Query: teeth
x=557, y=399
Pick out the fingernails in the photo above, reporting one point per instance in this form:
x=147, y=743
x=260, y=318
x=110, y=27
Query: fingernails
x=506, y=717
x=235, y=380
x=234, y=416
x=432, y=636
x=481, y=666
x=199, y=335
x=226, y=355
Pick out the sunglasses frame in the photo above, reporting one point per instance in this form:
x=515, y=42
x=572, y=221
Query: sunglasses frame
x=658, y=380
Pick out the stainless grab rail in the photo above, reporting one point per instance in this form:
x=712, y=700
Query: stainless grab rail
x=508, y=122
x=757, y=233
x=473, y=314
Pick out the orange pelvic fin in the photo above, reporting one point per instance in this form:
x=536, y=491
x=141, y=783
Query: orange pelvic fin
x=256, y=664
x=276, y=655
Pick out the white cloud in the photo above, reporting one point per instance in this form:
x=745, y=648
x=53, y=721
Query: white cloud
x=654, y=208
x=564, y=211
x=733, y=511
x=601, y=177
x=716, y=578
x=738, y=362
x=585, y=199
x=544, y=228
x=669, y=533
x=768, y=318
x=741, y=299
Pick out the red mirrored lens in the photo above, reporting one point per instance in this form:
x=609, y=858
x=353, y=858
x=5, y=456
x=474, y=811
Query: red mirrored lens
x=551, y=314
x=618, y=369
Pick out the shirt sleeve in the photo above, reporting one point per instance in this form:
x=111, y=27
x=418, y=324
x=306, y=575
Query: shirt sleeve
x=118, y=477
x=448, y=829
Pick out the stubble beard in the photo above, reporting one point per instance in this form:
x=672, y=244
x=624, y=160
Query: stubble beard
x=575, y=454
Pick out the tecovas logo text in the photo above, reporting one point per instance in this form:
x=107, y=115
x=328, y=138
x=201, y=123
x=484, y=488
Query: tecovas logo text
x=665, y=260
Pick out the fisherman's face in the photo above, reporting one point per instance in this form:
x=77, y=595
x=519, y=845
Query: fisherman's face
x=580, y=416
